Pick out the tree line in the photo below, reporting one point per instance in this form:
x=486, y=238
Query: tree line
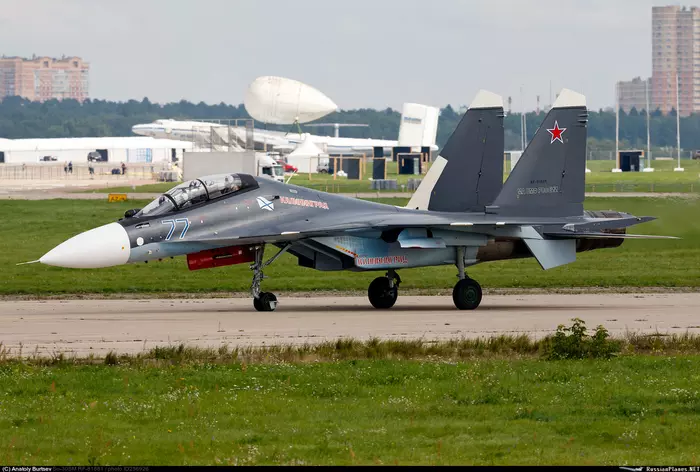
x=21, y=118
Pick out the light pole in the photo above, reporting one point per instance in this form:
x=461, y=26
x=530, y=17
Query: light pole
x=648, y=168
x=617, y=128
x=522, y=121
x=678, y=127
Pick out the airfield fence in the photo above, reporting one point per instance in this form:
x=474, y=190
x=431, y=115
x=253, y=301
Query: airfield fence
x=81, y=171
x=601, y=155
x=613, y=187
x=665, y=153
x=645, y=187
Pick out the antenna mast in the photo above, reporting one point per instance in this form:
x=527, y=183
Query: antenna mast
x=678, y=126
x=617, y=128
x=648, y=168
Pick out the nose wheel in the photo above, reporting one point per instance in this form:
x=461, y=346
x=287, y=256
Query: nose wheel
x=383, y=291
x=263, y=301
x=266, y=301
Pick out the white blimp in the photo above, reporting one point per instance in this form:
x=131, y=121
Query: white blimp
x=282, y=101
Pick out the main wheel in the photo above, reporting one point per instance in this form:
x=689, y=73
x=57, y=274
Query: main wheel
x=381, y=294
x=467, y=294
x=265, y=302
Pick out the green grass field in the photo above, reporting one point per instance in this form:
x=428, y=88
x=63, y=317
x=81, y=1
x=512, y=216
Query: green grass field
x=31, y=228
x=601, y=179
x=663, y=179
x=629, y=410
x=691, y=166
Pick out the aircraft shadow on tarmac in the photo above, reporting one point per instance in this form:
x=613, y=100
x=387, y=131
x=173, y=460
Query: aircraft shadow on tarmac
x=407, y=308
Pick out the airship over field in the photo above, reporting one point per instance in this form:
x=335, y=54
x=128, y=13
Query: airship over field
x=282, y=101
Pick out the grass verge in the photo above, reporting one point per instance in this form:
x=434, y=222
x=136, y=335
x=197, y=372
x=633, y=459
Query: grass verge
x=481, y=402
x=572, y=342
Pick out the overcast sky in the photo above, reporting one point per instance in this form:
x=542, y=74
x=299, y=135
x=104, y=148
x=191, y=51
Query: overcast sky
x=361, y=53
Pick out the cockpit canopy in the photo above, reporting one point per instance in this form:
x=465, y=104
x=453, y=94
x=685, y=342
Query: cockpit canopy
x=198, y=191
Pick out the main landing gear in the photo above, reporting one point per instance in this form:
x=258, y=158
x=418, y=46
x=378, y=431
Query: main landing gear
x=467, y=292
x=383, y=291
x=263, y=301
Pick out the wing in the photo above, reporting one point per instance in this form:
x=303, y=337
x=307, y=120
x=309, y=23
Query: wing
x=592, y=235
x=298, y=226
x=356, y=223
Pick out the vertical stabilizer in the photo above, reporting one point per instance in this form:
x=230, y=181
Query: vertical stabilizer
x=468, y=173
x=418, y=125
x=549, y=179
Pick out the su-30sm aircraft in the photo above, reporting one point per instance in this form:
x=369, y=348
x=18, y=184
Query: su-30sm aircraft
x=461, y=214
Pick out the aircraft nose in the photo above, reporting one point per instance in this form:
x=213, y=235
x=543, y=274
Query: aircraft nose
x=104, y=246
x=138, y=129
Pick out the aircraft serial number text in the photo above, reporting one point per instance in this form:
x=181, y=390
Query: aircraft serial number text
x=538, y=190
x=361, y=261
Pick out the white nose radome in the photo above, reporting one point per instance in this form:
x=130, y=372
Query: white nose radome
x=137, y=129
x=105, y=246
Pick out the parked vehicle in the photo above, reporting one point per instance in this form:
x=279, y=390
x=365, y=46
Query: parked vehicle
x=269, y=167
x=323, y=165
x=287, y=167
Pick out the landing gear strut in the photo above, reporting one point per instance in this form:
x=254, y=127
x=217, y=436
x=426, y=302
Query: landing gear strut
x=467, y=292
x=263, y=301
x=383, y=291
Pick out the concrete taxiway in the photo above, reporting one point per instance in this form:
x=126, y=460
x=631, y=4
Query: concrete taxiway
x=130, y=326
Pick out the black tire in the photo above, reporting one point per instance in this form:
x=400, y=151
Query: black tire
x=381, y=295
x=467, y=294
x=268, y=301
x=265, y=302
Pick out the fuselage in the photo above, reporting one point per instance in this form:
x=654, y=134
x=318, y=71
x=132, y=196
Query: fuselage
x=198, y=216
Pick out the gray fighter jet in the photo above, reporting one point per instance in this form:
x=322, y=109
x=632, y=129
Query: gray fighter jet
x=461, y=214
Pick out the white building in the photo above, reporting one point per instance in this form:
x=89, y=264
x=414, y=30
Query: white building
x=134, y=149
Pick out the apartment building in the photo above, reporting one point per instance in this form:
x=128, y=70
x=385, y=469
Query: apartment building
x=44, y=78
x=675, y=32
x=633, y=94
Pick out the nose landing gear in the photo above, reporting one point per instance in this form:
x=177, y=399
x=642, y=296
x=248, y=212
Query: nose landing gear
x=263, y=301
x=266, y=301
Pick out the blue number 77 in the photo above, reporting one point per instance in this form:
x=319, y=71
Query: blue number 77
x=173, y=224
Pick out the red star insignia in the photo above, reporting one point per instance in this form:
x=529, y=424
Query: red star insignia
x=556, y=133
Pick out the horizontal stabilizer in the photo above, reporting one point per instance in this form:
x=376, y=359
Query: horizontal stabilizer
x=570, y=235
x=552, y=252
x=607, y=223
